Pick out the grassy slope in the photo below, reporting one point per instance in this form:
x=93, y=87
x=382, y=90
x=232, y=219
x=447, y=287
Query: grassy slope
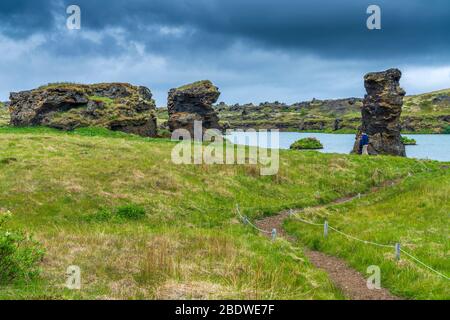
x=422, y=104
x=190, y=244
x=414, y=213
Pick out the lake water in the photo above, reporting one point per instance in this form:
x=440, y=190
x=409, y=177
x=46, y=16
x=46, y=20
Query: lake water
x=429, y=146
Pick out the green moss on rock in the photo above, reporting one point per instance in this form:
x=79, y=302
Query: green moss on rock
x=66, y=106
x=202, y=84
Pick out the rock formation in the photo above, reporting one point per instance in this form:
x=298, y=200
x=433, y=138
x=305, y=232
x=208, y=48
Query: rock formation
x=116, y=106
x=382, y=107
x=193, y=102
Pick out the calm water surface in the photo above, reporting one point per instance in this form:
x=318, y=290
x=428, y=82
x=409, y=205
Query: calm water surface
x=429, y=146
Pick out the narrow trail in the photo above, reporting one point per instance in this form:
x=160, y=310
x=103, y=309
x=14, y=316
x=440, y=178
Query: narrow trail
x=348, y=280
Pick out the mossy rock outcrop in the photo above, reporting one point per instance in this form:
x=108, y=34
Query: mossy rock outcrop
x=307, y=144
x=193, y=102
x=115, y=106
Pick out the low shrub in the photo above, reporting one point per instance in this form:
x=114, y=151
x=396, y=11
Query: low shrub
x=100, y=216
x=408, y=141
x=307, y=143
x=130, y=212
x=164, y=133
x=119, y=214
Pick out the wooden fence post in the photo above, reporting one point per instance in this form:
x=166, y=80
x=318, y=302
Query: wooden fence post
x=274, y=234
x=397, y=251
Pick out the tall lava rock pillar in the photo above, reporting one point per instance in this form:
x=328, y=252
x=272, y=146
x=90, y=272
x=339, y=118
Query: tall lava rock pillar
x=381, y=112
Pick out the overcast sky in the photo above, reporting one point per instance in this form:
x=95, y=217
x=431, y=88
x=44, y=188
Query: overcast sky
x=253, y=50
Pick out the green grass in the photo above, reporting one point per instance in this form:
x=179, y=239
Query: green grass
x=204, y=84
x=414, y=213
x=306, y=143
x=190, y=242
x=107, y=101
x=70, y=85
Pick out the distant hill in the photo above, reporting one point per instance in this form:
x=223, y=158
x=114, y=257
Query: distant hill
x=436, y=102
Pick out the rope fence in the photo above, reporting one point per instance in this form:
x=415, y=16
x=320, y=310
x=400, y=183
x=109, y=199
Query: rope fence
x=327, y=227
x=245, y=220
x=426, y=266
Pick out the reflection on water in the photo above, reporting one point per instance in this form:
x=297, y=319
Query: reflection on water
x=429, y=146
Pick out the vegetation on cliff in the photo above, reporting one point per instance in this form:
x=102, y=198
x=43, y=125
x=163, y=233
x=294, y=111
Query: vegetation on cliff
x=408, y=141
x=202, y=85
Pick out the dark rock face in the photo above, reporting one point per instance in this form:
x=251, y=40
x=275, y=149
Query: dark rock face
x=337, y=124
x=116, y=106
x=382, y=107
x=443, y=98
x=193, y=102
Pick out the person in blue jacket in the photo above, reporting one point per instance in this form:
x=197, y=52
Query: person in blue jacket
x=364, y=144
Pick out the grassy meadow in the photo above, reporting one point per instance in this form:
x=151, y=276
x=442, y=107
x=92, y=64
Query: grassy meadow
x=141, y=227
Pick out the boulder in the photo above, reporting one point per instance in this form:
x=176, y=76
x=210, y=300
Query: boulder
x=441, y=99
x=382, y=107
x=193, y=102
x=116, y=106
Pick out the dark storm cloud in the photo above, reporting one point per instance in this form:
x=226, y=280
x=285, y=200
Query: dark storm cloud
x=327, y=28
x=254, y=50
x=23, y=17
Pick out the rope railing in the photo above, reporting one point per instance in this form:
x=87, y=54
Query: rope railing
x=327, y=227
x=245, y=220
x=423, y=264
x=396, y=246
x=360, y=240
